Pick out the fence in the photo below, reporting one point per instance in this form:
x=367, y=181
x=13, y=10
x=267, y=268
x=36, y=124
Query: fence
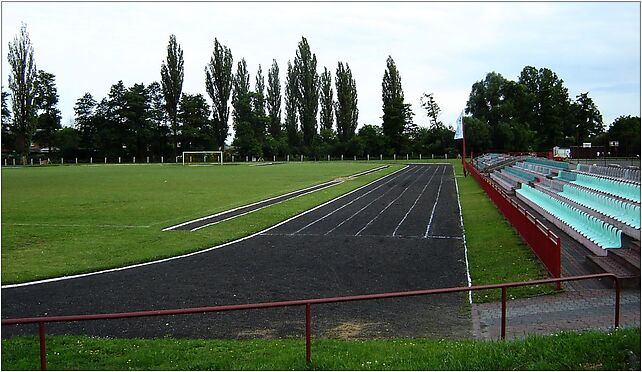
x=308, y=308
x=544, y=243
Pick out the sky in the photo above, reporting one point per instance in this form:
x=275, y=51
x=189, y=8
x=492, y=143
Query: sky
x=439, y=48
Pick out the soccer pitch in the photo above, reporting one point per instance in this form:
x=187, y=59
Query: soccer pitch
x=67, y=220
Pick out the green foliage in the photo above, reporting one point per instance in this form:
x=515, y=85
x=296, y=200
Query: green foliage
x=477, y=134
x=274, y=100
x=196, y=127
x=626, y=130
x=291, y=125
x=397, y=115
x=326, y=100
x=218, y=83
x=587, y=118
x=596, y=350
x=307, y=90
x=68, y=140
x=346, y=106
x=22, y=83
x=8, y=137
x=429, y=103
x=172, y=75
x=46, y=105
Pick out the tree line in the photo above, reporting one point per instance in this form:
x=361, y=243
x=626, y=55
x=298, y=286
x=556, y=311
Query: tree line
x=535, y=113
x=320, y=113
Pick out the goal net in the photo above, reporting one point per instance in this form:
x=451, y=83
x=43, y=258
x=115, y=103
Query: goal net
x=202, y=157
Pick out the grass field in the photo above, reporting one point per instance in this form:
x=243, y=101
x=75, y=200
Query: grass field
x=67, y=220
x=619, y=350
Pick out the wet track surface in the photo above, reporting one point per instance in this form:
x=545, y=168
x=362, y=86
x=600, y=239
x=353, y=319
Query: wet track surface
x=399, y=233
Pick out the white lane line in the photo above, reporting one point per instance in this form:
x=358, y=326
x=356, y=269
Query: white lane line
x=432, y=214
x=463, y=234
x=394, y=200
x=369, y=236
x=352, y=201
x=61, y=278
x=415, y=203
x=265, y=206
x=74, y=225
x=360, y=210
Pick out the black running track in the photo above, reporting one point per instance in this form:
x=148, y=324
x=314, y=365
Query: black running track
x=399, y=233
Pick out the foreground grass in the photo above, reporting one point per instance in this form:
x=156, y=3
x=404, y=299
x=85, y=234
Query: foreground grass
x=68, y=220
x=619, y=350
x=496, y=252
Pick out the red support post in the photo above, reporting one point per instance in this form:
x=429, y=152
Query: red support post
x=308, y=334
x=43, y=346
x=503, y=313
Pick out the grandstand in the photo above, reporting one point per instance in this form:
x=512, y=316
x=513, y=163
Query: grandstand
x=595, y=206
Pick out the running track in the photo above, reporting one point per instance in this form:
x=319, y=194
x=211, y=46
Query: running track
x=399, y=233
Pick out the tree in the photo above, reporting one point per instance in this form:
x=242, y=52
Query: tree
x=218, y=82
x=305, y=65
x=245, y=138
x=432, y=109
x=46, y=104
x=373, y=139
x=346, y=106
x=626, y=130
x=158, y=119
x=326, y=100
x=8, y=137
x=137, y=124
x=397, y=115
x=586, y=117
x=291, y=127
x=85, y=121
x=172, y=74
x=259, y=88
x=196, y=127
x=274, y=100
x=22, y=80
x=112, y=133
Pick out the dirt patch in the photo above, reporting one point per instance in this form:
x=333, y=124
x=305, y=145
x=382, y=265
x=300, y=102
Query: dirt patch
x=260, y=333
x=349, y=330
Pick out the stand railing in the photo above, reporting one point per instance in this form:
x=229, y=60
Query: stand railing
x=41, y=321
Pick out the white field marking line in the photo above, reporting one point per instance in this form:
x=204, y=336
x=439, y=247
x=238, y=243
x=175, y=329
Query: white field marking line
x=370, y=236
x=432, y=214
x=267, y=200
x=463, y=233
x=394, y=200
x=61, y=278
x=265, y=206
x=360, y=210
x=352, y=201
x=415, y=203
x=73, y=225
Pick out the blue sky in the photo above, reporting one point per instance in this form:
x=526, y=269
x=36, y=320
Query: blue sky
x=441, y=48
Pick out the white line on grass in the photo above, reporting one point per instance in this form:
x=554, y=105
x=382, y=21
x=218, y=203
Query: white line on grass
x=415, y=203
x=432, y=214
x=352, y=201
x=361, y=210
x=389, y=204
x=463, y=233
x=73, y=225
x=61, y=278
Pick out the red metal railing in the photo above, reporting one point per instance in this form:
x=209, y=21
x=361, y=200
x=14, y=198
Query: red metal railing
x=308, y=308
x=544, y=243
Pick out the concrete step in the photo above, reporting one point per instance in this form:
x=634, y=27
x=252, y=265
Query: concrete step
x=609, y=265
x=636, y=245
x=628, y=258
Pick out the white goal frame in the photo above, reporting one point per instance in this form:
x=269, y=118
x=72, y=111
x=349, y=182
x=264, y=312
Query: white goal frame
x=203, y=153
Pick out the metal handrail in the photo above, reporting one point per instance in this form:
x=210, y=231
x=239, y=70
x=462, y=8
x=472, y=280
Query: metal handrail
x=308, y=308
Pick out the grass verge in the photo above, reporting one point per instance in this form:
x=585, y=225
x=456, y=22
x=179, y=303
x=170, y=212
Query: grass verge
x=618, y=350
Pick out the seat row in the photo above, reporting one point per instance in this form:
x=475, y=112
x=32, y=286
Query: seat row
x=526, y=176
x=623, y=189
x=603, y=234
x=548, y=163
x=624, y=212
x=543, y=170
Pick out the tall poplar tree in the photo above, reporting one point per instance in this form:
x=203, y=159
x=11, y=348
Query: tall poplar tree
x=305, y=65
x=274, y=100
x=172, y=74
x=326, y=100
x=22, y=81
x=397, y=116
x=259, y=88
x=291, y=125
x=218, y=83
x=346, y=106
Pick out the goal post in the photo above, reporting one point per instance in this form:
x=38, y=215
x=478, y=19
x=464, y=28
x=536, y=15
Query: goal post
x=202, y=157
